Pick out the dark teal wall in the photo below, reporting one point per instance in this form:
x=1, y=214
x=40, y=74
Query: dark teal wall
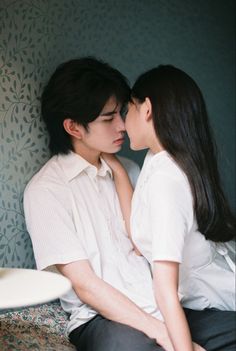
x=133, y=35
x=195, y=35
x=199, y=37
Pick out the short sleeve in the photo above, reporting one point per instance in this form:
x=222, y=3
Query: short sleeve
x=169, y=207
x=50, y=224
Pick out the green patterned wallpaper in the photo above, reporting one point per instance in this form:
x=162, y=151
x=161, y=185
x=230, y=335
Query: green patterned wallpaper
x=133, y=35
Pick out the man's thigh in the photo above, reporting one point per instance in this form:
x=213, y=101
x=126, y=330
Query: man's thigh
x=214, y=330
x=101, y=334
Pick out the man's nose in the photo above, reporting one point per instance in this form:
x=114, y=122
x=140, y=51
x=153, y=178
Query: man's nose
x=120, y=123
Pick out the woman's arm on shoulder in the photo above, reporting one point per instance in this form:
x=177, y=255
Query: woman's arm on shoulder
x=124, y=189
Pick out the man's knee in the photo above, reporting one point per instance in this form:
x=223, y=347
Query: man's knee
x=125, y=338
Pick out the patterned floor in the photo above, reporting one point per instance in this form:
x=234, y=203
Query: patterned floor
x=40, y=328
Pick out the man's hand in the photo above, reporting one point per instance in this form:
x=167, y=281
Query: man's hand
x=162, y=337
x=197, y=347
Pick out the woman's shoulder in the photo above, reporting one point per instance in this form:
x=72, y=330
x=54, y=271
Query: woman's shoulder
x=166, y=180
x=162, y=165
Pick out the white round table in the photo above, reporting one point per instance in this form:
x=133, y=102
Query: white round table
x=27, y=287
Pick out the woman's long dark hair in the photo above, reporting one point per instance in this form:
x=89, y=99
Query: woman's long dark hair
x=181, y=124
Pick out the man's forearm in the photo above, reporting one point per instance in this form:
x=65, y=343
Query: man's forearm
x=111, y=303
x=115, y=306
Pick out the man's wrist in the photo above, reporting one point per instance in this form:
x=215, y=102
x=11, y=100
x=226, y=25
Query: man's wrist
x=151, y=327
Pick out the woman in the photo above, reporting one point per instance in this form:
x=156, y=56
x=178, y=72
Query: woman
x=180, y=218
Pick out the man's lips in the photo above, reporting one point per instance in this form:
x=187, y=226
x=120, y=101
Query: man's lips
x=119, y=141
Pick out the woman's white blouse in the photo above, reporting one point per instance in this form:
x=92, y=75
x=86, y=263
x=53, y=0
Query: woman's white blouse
x=164, y=227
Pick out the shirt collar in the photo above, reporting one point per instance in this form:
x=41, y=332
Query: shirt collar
x=104, y=169
x=73, y=164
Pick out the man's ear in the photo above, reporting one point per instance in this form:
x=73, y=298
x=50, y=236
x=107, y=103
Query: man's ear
x=148, y=109
x=73, y=128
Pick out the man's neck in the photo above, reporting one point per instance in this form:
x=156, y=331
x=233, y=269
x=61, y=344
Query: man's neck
x=90, y=155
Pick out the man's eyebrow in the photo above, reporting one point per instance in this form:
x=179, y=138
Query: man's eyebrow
x=109, y=113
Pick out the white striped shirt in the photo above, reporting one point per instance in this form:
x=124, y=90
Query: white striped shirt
x=73, y=213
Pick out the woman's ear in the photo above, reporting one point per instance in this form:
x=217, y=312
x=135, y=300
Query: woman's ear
x=73, y=128
x=148, y=109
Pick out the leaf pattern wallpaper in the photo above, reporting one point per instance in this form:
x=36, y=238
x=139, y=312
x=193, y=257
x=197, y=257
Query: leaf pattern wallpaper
x=23, y=148
x=37, y=35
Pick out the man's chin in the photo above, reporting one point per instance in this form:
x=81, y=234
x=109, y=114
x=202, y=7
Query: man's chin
x=115, y=149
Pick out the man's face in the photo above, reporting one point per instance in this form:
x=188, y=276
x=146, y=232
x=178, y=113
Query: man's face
x=106, y=132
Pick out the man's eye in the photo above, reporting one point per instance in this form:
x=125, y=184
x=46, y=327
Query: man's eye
x=109, y=119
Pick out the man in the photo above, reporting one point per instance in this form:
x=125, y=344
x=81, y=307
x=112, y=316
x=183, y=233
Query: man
x=74, y=219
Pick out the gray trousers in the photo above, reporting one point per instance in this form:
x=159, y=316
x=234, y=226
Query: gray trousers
x=214, y=330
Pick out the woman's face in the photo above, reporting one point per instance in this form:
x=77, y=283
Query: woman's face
x=135, y=125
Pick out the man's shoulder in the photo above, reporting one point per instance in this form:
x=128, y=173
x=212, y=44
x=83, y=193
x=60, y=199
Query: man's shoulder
x=50, y=174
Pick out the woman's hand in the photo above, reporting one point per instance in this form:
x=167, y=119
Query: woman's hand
x=113, y=162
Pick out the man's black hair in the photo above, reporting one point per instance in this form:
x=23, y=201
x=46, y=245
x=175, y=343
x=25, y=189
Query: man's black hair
x=78, y=90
